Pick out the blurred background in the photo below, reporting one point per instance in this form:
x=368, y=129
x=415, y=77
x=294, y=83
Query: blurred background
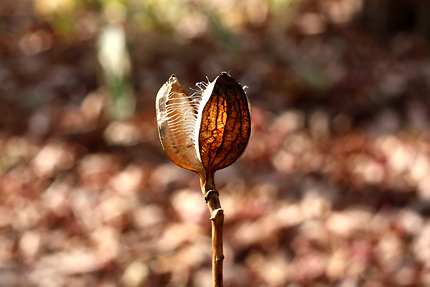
x=333, y=189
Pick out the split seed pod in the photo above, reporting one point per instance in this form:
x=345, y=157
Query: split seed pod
x=206, y=131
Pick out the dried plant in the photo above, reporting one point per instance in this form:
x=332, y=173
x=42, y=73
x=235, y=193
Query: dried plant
x=204, y=132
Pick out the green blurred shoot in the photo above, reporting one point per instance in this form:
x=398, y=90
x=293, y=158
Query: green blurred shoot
x=115, y=63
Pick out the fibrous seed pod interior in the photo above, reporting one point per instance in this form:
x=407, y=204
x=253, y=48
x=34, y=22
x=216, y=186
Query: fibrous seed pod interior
x=206, y=131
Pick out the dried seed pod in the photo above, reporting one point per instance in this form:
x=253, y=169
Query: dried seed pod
x=204, y=132
x=225, y=123
x=176, y=119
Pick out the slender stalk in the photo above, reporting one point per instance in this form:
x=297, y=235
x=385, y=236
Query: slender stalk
x=217, y=220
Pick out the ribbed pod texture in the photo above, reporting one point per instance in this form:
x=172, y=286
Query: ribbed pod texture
x=205, y=131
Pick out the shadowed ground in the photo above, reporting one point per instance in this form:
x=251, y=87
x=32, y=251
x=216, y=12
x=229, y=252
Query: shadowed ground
x=332, y=190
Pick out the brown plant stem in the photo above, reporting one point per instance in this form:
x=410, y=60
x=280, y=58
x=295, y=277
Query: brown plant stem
x=217, y=219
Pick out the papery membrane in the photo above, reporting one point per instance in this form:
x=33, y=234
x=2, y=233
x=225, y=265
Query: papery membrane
x=225, y=123
x=205, y=131
x=177, y=124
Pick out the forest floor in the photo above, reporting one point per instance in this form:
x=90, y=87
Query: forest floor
x=332, y=190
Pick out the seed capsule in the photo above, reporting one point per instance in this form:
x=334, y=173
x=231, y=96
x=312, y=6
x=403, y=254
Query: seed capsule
x=177, y=118
x=204, y=132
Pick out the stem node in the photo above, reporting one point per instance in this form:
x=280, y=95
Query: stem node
x=217, y=221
